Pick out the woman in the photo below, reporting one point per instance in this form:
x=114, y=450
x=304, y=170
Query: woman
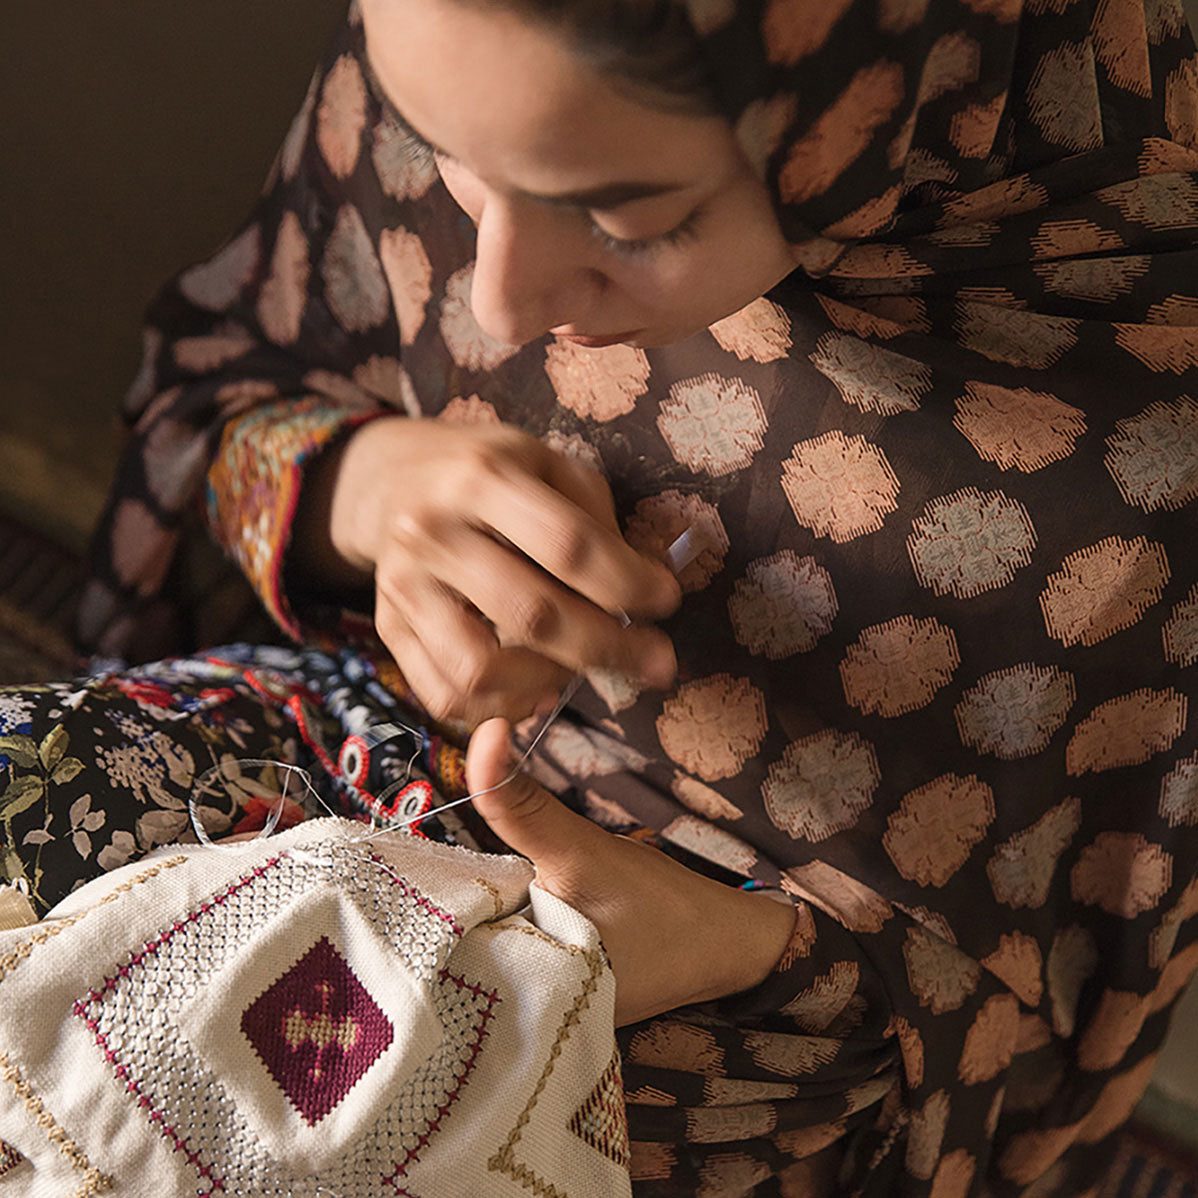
x=936, y=453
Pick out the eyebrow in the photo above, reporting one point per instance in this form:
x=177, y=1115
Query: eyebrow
x=602, y=198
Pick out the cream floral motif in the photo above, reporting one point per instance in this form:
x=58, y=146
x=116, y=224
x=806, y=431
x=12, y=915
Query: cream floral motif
x=1017, y=428
x=355, y=288
x=216, y=284
x=1122, y=873
x=869, y=377
x=1015, y=712
x=784, y=604
x=1126, y=731
x=839, y=487
x=925, y=1135
x=970, y=541
x=597, y=384
x=821, y=784
x=468, y=345
x=1165, y=201
x=659, y=520
x=577, y=448
x=820, y=1004
x=341, y=116
x=1022, y=867
x=284, y=294
x=712, y=425
x=143, y=767
x=1103, y=589
x=1098, y=280
x=711, y=843
x=618, y=691
x=291, y=155
x=1072, y=960
x=899, y=666
x=468, y=410
x=942, y=977
x=409, y=276
x=1181, y=631
x=403, y=173
x=1153, y=457
x=1018, y=962
x=935, y=828
x=175, y=455
x=712, y=726
x=1179, y=793
x=702, y=799
x=759, y=332
x=1004, y=334
x=209, y=351
x=387, y=378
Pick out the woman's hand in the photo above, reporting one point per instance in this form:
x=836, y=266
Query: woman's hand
x=673, y=936
x=498, y=566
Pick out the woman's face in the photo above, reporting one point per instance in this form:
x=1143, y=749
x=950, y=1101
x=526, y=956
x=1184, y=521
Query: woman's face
x=600, y=219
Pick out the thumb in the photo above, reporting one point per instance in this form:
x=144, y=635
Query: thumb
x=521, y=812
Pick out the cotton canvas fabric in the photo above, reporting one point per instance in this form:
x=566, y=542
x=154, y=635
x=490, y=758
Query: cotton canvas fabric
x=936, y=658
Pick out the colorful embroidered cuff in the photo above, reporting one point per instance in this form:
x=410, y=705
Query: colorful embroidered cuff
x=254, y=485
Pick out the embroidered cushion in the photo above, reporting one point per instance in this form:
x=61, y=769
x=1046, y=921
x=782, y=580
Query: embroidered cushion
x=311, y=1014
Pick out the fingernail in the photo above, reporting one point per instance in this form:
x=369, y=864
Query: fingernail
x=660, y=666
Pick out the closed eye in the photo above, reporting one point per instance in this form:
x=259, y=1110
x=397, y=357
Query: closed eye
x=633, y=247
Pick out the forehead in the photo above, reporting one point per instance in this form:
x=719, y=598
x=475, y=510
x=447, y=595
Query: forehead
x=513, y=102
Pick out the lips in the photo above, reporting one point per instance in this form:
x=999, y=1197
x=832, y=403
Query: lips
x=597, y=342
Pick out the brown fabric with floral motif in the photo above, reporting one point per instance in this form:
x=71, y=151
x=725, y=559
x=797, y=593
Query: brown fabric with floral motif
x=937, y=652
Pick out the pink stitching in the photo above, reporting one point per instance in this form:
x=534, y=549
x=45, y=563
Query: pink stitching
x=418, y=898
x=487, y=1014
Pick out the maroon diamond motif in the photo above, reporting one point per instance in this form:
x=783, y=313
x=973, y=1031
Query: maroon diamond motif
x=317, y=1030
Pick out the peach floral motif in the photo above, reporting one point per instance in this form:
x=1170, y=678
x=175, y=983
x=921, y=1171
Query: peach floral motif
x=711, y=843
x=952, y=61
x=1159, y=347
x=1034, y=1033
x=1156, y=201
x=869, y=377
x=649, y=1161
x=1022, y=867
x=409, y=277
x=841, y=132
x=1015, y=712
x=1181, y=107
x=897, y=667
x=141, y=390
x=1103, y=589
x=1099, y=280
x=973, y=128
x=942, y=977
x=1163, y=19
x=1005, y=11
x=216, y=284
x=1126, y=730
x=341, y=116
x=759, y=332
x=839, y=487
x=1017, y=962
x=817, y=1007
x=906, y=313
x=387, y=379
x=990, y=1041
x=790, y=1056
x=1005, y=334
x=597, y=384
x=658, y=521
x=404, y=172
x=284, y=294
x=970, y=542
x=792, y=32
x=702, y=799
x=709, y=15
x=330, y=385
x=1112, y=1029
x=1067, y=238
x=1163, y=940
x=1180, y=633
x=1160, y=156
x=468, y=345
x=848, y=901
x=858, y=319
x=760, y=128
x=1072, y=960
x=821, y=784
x=1175, y=976
x=1175, y=309
x=1117, y=1100
x=1031, y=1155
x=1062, y=97
x=144, y=548
x=869, y=218
x=925, y=1134
x=910, y=1048
x=784, y=604
x=468, y=410
x=1119, y=45
x=726, y=1172
x=975, y=234
x=1122, y=873
x=1179, y=793
x=897, y=16
x=237, y=397
x=712, y=726
x=209, y=351
x=805, y=1142
x=588, y=755
x=355, y=288
x=1017, y=428
x=663, y=1044
x=712, y=424
x=1006, y=198
x=936, y=826
x=1153, y=457
x=617, y=690
x=733, y=1091
x=954, y=1174
x=292, y=152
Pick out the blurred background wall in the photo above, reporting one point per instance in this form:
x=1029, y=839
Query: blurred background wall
x=134, y=136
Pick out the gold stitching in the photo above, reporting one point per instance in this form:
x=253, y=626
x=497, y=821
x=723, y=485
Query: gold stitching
x=94, y=1182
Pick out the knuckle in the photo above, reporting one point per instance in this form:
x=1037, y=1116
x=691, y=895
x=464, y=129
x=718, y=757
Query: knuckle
x=535, y=619
x=572, y=551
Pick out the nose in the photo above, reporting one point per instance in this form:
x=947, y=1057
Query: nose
x=528, y=274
